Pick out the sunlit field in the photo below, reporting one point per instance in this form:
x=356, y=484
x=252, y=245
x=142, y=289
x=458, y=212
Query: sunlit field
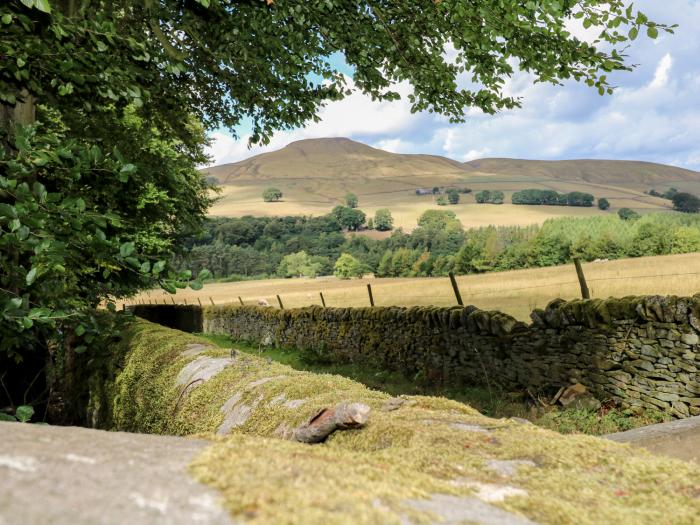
x=406, y=207
x=514, y=292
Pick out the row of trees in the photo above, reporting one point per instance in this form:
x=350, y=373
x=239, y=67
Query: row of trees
x=552, y=198
x=293, y=246
x=489, y=197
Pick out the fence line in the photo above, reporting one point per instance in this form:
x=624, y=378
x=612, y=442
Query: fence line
x=468, y=294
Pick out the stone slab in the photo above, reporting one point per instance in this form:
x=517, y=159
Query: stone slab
x=678, y=439
x=78, y=476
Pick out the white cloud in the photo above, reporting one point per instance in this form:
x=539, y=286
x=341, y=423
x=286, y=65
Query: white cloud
x=654, y=114
x=662, y=72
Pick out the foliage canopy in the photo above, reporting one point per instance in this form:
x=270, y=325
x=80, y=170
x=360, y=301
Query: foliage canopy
x=104, y=106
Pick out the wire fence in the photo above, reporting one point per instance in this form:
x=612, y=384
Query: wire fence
x=380, y=293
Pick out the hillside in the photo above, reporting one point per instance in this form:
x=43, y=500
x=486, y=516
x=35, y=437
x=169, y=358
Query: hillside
x=620, y=172
x=315, y=174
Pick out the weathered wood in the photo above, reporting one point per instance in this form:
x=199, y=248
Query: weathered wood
x=456, y=289
x=371, y=297
x=585, y=293
x=211, y=301
x=200, y=302
x=279, y=300
x=323, y=301
x=240, y=300
x=343, y=416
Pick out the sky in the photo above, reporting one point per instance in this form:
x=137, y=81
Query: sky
x=654, y=115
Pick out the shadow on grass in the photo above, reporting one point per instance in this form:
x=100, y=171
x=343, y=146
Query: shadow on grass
x=492, y=403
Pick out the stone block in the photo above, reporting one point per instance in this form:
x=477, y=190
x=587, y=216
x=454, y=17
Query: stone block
x=690, y=339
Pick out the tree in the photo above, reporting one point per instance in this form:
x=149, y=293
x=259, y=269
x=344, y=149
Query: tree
x=453, y=196
x=441, y=201
x=383, y=221
x=436, y=219
x=436, y=190
x=93, y=204
x=686, y=202
x=370, y=224
x=603, y=203
x=579, y=198
x=347, y=267
x=627, y=214
x=349, y=218
x=489, y=197
x=272, y=195
x=351, y=200
x=298, y=264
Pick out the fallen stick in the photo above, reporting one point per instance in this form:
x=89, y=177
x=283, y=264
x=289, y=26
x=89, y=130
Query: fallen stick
x=343, y=417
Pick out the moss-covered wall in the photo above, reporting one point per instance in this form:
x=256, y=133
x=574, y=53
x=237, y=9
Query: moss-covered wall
x=640, y=351
x=417, y=459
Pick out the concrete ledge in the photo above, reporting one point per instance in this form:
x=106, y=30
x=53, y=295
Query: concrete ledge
x=678, y=439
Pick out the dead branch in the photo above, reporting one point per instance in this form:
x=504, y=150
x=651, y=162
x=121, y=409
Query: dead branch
x=343, y=417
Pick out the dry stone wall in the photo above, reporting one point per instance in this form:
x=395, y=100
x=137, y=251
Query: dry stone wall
x=639, y=351
x=642, y=352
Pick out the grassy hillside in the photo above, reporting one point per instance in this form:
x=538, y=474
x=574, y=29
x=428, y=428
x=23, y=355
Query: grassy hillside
x=314, y=175
x=515, y=292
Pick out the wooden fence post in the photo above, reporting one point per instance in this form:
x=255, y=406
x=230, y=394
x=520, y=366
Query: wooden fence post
x=456, y=289
x=173, y=300
x=240, y=300
x=585, y=293
x=323, y=301
x=211, y=301
x=371, y=297
x=200, y=302
x=185, y=301
x=279, y=300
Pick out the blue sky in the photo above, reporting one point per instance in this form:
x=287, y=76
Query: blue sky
x=654, y=114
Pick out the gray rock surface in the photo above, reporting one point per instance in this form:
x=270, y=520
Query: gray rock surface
x=678, y=439
x=456, y=510
x=75, y=476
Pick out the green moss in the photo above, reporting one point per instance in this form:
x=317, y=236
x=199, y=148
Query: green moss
x=366, y=475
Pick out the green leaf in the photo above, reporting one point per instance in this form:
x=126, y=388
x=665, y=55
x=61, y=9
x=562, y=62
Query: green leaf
x=158, y=267
x=80, y=349
x=145, y=267
x=652, y=32
x=7, y=18
x=127, y=249
x=24, y=413
x=31, y=276
x=169, y=287
x=196, y=285
x=7, y=417
x=80, y=330
x=633, y=33
x=204, y=274
x=8, y=211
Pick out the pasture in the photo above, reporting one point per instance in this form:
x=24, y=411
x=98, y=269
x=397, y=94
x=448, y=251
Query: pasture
x=516, y=292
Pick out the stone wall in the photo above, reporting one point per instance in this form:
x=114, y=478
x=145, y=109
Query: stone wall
x=642, y=352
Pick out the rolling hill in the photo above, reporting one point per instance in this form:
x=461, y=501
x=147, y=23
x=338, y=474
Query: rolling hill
x=315, y=174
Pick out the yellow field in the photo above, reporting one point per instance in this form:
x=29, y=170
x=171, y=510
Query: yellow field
x=515, y=292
